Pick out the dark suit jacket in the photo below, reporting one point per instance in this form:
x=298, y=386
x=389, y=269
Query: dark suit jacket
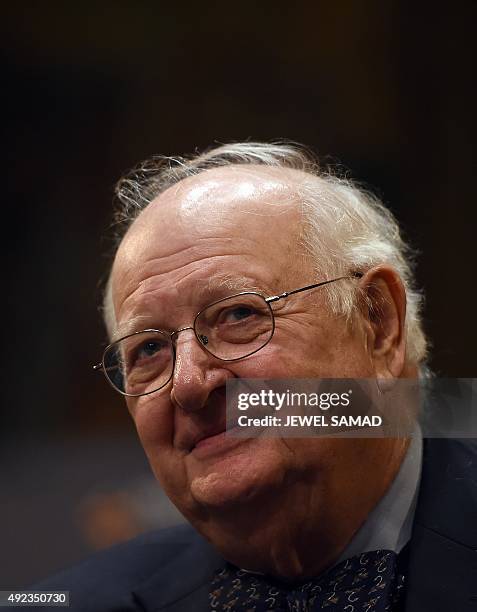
x=171, y=569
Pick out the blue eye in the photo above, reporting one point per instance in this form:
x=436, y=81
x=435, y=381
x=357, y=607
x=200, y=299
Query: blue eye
x=150, y=348
x=236, y=314
x=241, y=312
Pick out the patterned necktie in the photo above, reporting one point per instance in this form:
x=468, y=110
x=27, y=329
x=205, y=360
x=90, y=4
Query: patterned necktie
x=370, y=582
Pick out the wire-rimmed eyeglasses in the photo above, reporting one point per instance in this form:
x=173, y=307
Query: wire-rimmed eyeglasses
x=229, y=329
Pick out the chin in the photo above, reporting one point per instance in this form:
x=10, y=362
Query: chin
x=252, y=471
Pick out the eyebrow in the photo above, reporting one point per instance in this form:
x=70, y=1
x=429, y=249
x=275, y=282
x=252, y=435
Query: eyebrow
x=233, y=283
x=214, y=285
x=133, y=324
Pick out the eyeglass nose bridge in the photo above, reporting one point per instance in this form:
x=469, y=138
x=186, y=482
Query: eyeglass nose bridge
x=202, y=338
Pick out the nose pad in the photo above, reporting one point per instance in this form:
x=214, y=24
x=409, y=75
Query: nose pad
x=196, y=374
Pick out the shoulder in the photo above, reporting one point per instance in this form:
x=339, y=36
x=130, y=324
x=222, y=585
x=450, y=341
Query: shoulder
x=106, y=580
x=448, y=493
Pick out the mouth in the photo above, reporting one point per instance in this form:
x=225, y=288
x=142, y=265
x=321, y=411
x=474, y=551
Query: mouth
x=208, y=432
x=218, y=441
x=205, y=437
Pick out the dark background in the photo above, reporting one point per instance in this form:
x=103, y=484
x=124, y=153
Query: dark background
x=88, y=89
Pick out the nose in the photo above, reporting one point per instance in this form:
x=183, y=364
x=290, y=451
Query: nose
x=196, y=372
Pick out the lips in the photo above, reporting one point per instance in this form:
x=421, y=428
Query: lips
x=196, y=428
x=203, y=431
x=217, y=445
x=204, y=437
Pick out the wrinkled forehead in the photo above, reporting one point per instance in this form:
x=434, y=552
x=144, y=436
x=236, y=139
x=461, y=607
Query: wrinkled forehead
x=252, y=204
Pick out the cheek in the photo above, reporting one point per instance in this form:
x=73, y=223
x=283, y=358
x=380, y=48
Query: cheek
x=153, y=417
x=329, y=350
x=309, y=357
x=154, y=421
x=350, y=359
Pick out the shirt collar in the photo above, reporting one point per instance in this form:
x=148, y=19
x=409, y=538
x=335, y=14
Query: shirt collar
x=389, y=524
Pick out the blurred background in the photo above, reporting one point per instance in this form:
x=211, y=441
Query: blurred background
x=384, y=87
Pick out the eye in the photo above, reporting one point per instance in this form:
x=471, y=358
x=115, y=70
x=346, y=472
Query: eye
x=147, y=353
x=236, y=314
x=149, y=349
x=241, y=312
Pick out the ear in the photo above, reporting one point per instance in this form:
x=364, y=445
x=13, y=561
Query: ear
x=384, y=309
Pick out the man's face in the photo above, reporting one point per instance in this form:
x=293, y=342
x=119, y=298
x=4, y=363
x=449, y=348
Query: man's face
x=186, y=250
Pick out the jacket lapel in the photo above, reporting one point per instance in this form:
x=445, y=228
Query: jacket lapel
x=442, y=570
x=442, y=575
x=182, y=584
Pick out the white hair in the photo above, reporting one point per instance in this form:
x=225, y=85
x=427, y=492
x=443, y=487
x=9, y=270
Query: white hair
x=345, y=228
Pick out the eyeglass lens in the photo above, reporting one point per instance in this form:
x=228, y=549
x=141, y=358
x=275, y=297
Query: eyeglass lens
x=230, y=329
x=140, y=363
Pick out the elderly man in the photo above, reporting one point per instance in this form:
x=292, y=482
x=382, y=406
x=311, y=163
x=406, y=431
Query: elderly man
x=278, y=523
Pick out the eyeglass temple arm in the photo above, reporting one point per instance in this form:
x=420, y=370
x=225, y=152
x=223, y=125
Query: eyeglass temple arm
x=275, y=298
x=99, y=366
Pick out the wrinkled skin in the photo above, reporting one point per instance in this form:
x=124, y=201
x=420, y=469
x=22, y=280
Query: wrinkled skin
x=284, y=506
